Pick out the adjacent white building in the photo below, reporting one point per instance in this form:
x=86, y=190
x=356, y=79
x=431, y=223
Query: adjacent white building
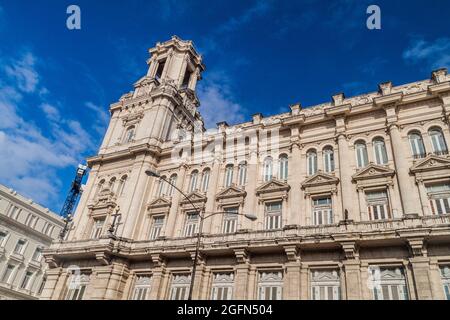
x=26, y=228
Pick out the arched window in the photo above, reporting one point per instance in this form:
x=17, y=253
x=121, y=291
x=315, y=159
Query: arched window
x=283, y=167
x=361, y=154
x=417, y=146
x=311, y=157
x=267, y=169
x=242, y=173
x=99, y=187
x=205, y=180
x=129, y=134
x=162, y=186
x=112, y=184
x=193, y=182
x=228, y=175
x=379, y=150
x=121, y=186
x=173, y=182
x=328, y=159
x=438, y=141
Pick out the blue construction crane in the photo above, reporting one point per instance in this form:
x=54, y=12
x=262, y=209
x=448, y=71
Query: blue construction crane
x=71, y=200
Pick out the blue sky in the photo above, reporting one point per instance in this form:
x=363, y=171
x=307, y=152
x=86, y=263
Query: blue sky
x=56, y=84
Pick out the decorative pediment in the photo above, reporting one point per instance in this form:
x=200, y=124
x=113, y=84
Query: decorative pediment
x=431, y=163
x=273, y=186
x=231, y=192
x=373, y=171
x=194, y=196
x=105, y=199
x=160, y=202
x=320, y=179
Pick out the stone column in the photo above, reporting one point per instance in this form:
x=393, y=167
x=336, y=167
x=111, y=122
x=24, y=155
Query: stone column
x=252, y=278
x=396, y=205
x=292, y=277
x=352, y=267
x=158, y=273
x=362, y=205
x=402, y=169
x=436, y=281
x=345, y=177
x=51, y=289
x=308, y=210
x=294, y=181
x=199, y=276
x=334, y=208
x=117, y=280
x=422, y=279
x=242, y=274
x=423, y=197
x=304, y=282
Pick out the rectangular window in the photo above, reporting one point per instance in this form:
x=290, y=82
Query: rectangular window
x=30, y=220
x=7, y=275
x=322, y=211
x=388, y=283
x=14, y=213
x=270, y=285
x=37, y=255
x=42, y=285
x=273, y=215
x=97, y=228
x=2, y=238
x=439, y=197
x=222, y=288
x=230, y=220
x=77, y=286
x=378, y=205
x=192, y=220
x=325, y=285
x=160, y=69
x=20, y=246
x=445, y=276
x=142, y=287
x=157, y=226
x=180, y=286
x=26, y=280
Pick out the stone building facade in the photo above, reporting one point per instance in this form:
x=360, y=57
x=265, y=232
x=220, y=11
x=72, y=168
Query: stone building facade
x=351, y=197
x=26, y=229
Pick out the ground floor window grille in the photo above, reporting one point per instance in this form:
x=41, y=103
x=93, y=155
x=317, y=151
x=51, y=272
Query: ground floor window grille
x=378, y=205
x=142, y=287
x=222, y=288
x=325, y=285
x=180, y=286
x=445, y=276
x=388, y=283
x=273, y=216
x=77, y=286
x=270, y=285
x=439, y=197
x=322, y=211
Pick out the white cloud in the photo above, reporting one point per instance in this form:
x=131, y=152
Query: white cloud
x=30, y=156
x=217, y=103
x=101, y=117
x=433, y=54
x=260, y=8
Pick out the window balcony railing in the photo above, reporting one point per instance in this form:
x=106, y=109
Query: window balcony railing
x=419, y=156
x=441, y=153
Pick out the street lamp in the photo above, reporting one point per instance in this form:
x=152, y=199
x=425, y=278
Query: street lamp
x=202, y=216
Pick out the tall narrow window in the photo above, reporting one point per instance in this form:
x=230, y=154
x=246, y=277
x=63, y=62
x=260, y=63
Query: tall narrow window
x=388, y=283
x=8, y=274
x=173, y=182
x=142, y=287
x=193, y=182
x=129, y=134
x=99, y=187
x=328, y=159
x=311, y=158
x=445, y=277
x=191, y=226
x=26, y=282
x=222, y=287
x=439, y=197
x=14, y=212
x=378, y=205
x=77, y=286
x=180, y=286
x=37, y=255
x=112, y=184
x=283, y=167
x=267, y=169
x=417, y=146
x=97, y=228
x=325, y=285
x=42, y=285
x=379, y=150
x=270, y=285
x=322, y=211
x=31, y=219
x=2, y=238
x=186, y=78
x=162, y=187
x=242, y=173
x=205, y=180
x=362, y=159
x=121, y=186
x=273, y=215
x=20, y=246
x=157, y=226
x=230, y=220
x=228, y=175
x=438, y=141
x=160, y=69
